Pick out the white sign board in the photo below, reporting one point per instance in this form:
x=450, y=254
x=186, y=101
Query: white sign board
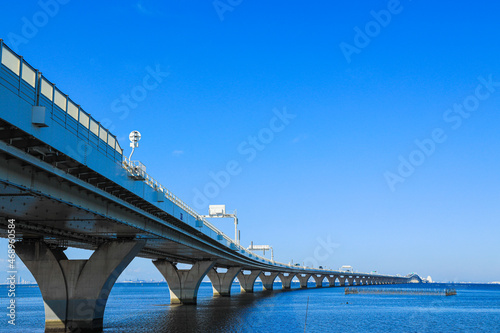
x=216, y=209
x=260, y=247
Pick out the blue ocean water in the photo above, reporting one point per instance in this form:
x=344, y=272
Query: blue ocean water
x=145, y=308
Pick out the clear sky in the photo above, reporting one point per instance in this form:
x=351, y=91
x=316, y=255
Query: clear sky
x=361, y=133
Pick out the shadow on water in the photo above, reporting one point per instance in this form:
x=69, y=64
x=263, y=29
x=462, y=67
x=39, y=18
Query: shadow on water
x=218, y=314
x=214, y=315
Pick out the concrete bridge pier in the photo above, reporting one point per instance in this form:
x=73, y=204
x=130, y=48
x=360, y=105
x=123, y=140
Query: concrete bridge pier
x=342, y=281
x=286, y=280
x=331, y=280
x=351, y=281
x=303, y=278
x=222, y=282
x=268, y=280
x=247, y=281
x=183, y=283
x=75, y=292
x=319, y=280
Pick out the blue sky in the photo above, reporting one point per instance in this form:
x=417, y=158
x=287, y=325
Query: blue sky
x=351, y=167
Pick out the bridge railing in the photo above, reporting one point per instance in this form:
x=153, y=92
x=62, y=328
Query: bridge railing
x=29, y=84
x=136, y=170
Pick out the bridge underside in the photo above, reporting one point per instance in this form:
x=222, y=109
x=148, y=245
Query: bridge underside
x=65, y=225
x=69, y=212
x=61, y=200
x=55, y=209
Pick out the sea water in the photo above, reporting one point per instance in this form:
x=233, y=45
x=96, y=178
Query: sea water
x=144, y=307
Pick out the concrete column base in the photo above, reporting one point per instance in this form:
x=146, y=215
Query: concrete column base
x=286, y=280
x=303, y=278
x=222, y=282
x=183, y=283
x=75, y=292
x=247, y=281
x=268, y=280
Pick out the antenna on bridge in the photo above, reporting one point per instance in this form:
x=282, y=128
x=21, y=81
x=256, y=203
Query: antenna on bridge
x=134, y=137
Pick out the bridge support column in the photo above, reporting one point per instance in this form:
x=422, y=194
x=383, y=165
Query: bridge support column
x=303, y=278
x=342, y=281
x=183, y=283
x=75, y=292
x=222, y=282
x=286, y=280
x=331, y=280
x=319, y=280
x=247, y=281
x=268, y=280
x=351, y=281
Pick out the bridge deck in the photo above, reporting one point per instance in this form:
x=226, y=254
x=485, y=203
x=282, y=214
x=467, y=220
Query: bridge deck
x=63, y=176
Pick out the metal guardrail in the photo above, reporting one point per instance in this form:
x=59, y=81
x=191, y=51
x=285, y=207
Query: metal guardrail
x=31, y=85
x=40, y=86
x=136, y=170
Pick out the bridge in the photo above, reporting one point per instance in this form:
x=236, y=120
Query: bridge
x=64, y=182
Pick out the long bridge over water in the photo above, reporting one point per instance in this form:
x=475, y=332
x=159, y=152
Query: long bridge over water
x=66, y=183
